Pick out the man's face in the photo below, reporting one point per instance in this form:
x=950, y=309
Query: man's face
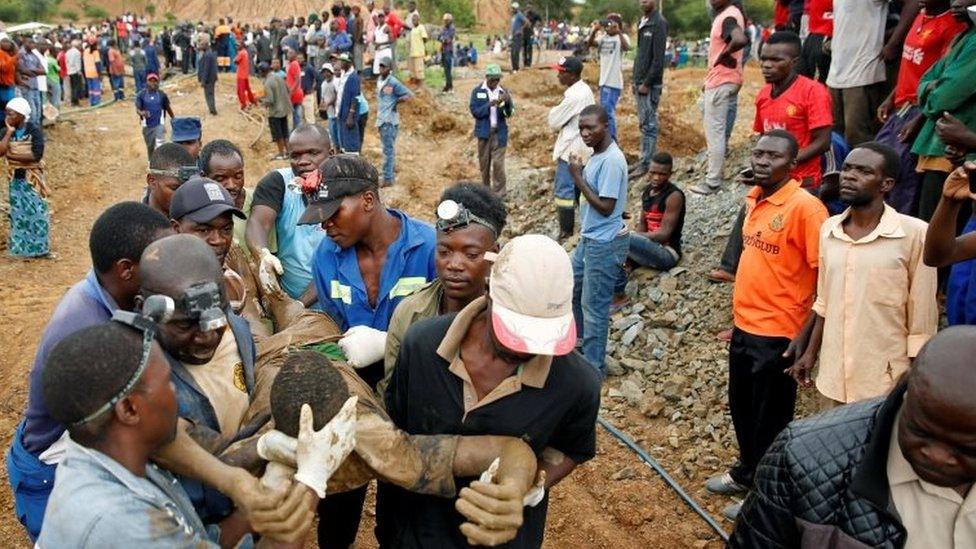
x=350, y=223
x=592, y=130
x=218, y=233
x=777, y=61
x=306, y=152
x=508, y=355
x=158, y=416
x=937, y=439
x=415, y=18
x=659, y=174
x=648, y=6
x=958, y=9
x=292, y=55
x=192, y=147
x=14, y=118
x=613, y=27
x=460, y=260
x=327, y=76
x=566, y=78
x=182, y=337
x=161, y=189
x=862, y=178
x=28, y=44
x=152, y=84
x=771, y=161
x=275, y=64
x=384, y=71
x=493, y=82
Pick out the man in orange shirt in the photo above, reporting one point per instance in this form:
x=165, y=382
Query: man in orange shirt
x=243, y=61
x=293, y=78
x=8, y=69
x=116, y=70
x=774, y=292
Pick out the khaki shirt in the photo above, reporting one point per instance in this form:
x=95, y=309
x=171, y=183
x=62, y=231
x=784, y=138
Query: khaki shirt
x=222, y=381
x=424, y=303
x=533, y=373
x=878, y=301
x=932, y=515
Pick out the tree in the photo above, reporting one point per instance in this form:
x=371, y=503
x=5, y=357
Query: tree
x=70, y=15
x=151, y=9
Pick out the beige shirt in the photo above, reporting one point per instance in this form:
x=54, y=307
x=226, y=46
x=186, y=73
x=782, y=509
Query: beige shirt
x=424, y=303
x=878, y=302
x=222, y=380
x=932, y=515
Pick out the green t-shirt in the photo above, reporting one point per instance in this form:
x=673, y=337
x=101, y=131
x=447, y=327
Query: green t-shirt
x=53, y=70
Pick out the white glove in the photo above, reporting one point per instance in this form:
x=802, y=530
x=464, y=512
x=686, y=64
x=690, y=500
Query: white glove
x=269, y=269
x=320, y=453
x=535, y=494
x=363, y=346
x=275, y=446
x=277, y=475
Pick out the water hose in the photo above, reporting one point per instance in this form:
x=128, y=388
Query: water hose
x=646, y=458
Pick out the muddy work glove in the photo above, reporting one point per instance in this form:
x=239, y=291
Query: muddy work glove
x=320, y=453
x=363, y=346
x=532, y=498
x=269, y=269
x=275, y=446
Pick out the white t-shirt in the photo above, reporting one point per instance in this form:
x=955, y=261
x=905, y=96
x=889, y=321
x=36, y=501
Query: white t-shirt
x=611, y=74
x=859, y=29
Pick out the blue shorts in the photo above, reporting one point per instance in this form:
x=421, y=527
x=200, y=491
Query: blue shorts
x=31, y=481
x=565, y=188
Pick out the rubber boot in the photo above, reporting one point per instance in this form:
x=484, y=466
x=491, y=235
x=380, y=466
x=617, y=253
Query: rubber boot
x=567, y=221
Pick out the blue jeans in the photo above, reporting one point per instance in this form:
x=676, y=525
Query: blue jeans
x=647, y=253
x=117, y=90
x=647, y=120
x=31, y=481
x=961, y=288
x=33, y=98
x=565, y=188
x=297, y=115
x=597, y=267
x=608, y=100
x=388, y=135
x=140, y=77
x=730, y=117
x=334, y=132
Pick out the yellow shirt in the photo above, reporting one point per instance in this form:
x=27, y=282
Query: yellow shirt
x=222, y=381
x=417, y=37
x=932, y=515
x=878, y=302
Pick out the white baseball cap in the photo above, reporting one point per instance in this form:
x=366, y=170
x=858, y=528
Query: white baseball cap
x=19, y=105
x=531, y=290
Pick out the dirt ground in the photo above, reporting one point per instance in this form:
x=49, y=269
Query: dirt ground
x=97, y=158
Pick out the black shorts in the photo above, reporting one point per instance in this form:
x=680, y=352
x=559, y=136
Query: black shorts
x=279, y=128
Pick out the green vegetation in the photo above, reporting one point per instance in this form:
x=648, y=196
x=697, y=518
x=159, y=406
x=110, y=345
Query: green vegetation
x=19, y=11
x=94, y=12
x=462, y=10
x=151, y=9
x=70, y=15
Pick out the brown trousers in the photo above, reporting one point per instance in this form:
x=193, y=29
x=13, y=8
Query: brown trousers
x=855, y=112
x=491, y=160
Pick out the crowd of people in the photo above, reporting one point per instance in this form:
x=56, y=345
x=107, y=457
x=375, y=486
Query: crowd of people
x=236, y=363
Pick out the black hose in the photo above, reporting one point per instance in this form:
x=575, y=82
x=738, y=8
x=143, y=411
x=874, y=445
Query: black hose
x=646, y=458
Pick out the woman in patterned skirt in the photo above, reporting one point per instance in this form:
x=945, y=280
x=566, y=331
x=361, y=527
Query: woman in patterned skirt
x=22, y=143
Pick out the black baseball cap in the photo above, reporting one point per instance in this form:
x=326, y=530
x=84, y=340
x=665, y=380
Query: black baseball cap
x=340, y=176
x=569, y=64
x=202, y=200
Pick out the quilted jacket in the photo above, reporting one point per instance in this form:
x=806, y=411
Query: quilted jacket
x=824, y=483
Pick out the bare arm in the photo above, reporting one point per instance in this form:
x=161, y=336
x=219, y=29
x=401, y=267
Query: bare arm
x=892, y=48
x=310, y=296
x=672, y=212
x=556, y=465
x=819, y=144
x=942, y=246
x=259, y=225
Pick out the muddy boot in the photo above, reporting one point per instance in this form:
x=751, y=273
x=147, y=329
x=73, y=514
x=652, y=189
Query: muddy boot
x=567, y=220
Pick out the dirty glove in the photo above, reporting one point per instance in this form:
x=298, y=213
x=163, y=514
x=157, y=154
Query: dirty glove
x=275, y=446
x=320, y=453
x=535, y=494
x=277, y=476
x=363, y=346
x=269, y=269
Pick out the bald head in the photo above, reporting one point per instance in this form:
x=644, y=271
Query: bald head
x=938, y=417
x=172, y=264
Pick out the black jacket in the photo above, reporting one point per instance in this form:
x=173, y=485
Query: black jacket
x=652, y=36
x=824, y=483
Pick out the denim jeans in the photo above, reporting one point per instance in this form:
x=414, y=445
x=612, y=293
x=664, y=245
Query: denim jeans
x=565, y=190
x=140, y=77
x=447, y=61
x=647, y=120
x=117, y=91
x=54, y=93
x=388, y=135
x=33, y=98
x=297, y=115
x=647, y=253
x=597, y=267
x=608, y=100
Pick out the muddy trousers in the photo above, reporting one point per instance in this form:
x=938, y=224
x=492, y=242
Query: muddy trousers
x=762, y=398
x=339, y=517
x=491, y=161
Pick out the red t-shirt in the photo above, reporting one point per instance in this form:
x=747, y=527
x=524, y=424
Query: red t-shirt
x=802, y=108
x=8, y=68
x=395, y=24
x=926, y=43
x=821, y=14
x=62, y=64
x=293, y=77
x=243, y=62
x=781, y=14
x=341, y=23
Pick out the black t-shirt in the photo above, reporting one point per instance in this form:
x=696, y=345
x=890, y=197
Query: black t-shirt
x=426, y=398
x=270, y=191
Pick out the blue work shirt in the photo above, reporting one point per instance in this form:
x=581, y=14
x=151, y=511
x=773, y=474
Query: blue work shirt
x=388, y=93
x=342, y=293
x=154, y=102
x=606, y=174
x=518, y=21
x=97, y=502
x=86, y=304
